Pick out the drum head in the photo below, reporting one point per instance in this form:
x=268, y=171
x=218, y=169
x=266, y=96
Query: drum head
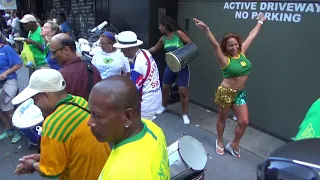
x=27, y=115
x=193, y=153
x=173, y=62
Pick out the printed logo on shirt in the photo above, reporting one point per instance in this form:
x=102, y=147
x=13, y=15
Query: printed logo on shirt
x=107, y=60
x=243, y=64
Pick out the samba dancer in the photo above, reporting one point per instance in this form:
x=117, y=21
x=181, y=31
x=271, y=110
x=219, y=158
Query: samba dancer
x=173, y=38
x=230, y=55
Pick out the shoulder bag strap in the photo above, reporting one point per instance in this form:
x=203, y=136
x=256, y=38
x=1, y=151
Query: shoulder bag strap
x=90, y=76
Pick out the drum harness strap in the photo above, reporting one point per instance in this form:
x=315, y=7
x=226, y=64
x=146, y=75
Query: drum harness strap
x=75, y=104
x=67, y=103
x=148, y=68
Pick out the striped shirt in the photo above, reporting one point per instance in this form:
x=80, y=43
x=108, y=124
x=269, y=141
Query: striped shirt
x=68, y=148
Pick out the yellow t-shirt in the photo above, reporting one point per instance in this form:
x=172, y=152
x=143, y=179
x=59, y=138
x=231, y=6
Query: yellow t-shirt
x=68, y=148
x=141, y=157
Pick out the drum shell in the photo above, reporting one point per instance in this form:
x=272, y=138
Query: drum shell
x=182, y=56
x=196, y=176
x=31, y=134
x=179, y=169
x=177, y=164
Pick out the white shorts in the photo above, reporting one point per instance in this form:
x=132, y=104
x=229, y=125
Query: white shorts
x=8, y=92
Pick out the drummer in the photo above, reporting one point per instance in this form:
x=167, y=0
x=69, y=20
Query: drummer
x=172, y=39
x=68, y=149
x=144, y=73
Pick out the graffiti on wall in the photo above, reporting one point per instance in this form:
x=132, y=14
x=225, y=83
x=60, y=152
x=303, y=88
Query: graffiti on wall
x=80, y=14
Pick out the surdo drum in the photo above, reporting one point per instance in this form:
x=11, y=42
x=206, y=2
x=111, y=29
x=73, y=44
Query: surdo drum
x=178, y=59
x=187, y=159
x=28, y=119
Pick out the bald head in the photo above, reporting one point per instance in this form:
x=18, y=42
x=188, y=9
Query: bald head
x=62, y=48
x=64, y=39
x=115, y=109
x=61, y=36
x=120, y=91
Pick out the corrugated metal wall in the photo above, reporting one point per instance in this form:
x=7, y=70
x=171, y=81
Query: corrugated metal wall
x=81, y=14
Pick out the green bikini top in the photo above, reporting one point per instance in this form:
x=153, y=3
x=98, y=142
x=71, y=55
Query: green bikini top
x=237, y=67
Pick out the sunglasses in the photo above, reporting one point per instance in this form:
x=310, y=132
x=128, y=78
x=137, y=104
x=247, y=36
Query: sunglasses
x=55, y=51
x=287, y=169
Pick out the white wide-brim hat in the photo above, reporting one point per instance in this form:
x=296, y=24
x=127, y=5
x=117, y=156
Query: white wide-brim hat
x=127, y=39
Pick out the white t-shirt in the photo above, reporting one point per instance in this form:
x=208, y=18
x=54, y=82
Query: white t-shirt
x=15, y=25
x=110, y=64
x=9, y=22
x=150, y=89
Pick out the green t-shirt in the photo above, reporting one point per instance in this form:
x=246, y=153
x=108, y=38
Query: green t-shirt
x=39, y=56
x=310, y=127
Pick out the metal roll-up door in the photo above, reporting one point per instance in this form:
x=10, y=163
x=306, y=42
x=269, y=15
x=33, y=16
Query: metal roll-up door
x=82, y=17
x=80, y=14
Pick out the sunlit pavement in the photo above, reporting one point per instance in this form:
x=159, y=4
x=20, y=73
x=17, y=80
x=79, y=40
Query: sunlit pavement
x=218, y=167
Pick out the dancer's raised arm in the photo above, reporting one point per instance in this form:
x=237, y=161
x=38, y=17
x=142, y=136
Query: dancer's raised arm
x=222, y=58
x=253, y=33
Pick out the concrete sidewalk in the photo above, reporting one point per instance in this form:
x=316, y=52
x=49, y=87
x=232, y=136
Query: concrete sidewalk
x=218, y=167
x=255, y=145
x=255, y=141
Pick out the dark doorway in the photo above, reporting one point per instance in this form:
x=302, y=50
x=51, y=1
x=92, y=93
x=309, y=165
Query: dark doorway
x=101, y=11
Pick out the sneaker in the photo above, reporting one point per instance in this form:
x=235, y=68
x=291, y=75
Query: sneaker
x=186, y=120
x=17, y=137
x=6, y=133
x=161, y=110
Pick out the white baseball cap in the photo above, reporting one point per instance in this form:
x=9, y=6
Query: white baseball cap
x=42, y=80
x=28, y=18
x=127, y=39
